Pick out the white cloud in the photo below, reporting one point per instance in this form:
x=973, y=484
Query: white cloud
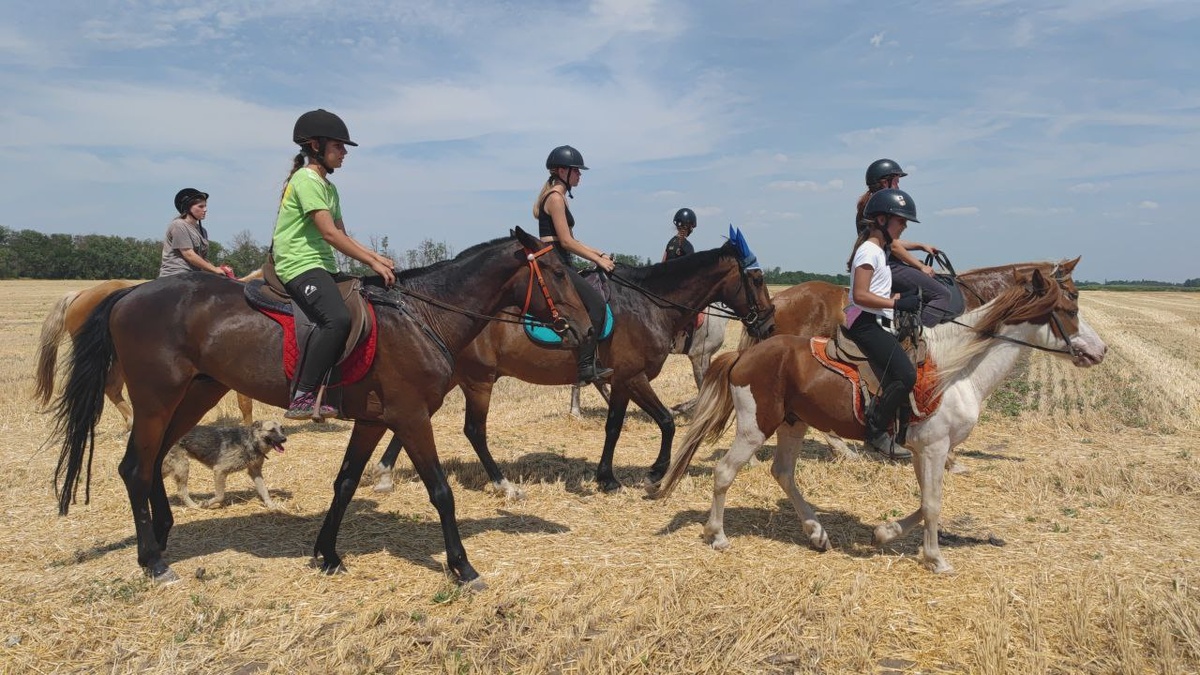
x=958, y=211
x=1149, y=205
x=805, y=185
x=877, y=39
x=1086, y=188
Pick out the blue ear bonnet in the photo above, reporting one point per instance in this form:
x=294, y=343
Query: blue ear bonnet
x=747, y=259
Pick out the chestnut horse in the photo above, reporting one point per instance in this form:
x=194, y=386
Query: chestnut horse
x=779, y=387
x=650, y=305
x=66, y=317
x=185, y=341
x=816, y=308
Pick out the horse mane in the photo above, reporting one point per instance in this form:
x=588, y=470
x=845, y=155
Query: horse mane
x=678, y=268
x=416, y=273
x=955, y=346
x=1011, y=267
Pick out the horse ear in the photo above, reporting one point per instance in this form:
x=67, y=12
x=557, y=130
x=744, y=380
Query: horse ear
x=521, y=236
x=731, y=232
x=1069, y=266
x=1038, y=283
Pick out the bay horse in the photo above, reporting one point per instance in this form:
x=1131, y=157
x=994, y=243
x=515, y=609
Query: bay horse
x=816, y=308
x=779, y=387
x=66, y=318
x=650, y=305
x=185, y=341
x=706, y=341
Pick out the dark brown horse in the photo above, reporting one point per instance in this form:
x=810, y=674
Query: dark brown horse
x=649, y=305
x=816, y=308
x=185, y=341
x=779, y=387
x=66, y=318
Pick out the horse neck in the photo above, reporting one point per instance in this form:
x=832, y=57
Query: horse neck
x=475, y=283
x=960, y=353
x=694, y=287
x=990, y=282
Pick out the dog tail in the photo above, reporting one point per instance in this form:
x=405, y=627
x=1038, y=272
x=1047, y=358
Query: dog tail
x=82, y=401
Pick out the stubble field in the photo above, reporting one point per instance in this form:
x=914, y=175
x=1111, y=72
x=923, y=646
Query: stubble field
x=1072, y=530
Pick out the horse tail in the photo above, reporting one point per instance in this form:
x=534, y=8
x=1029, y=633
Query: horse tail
x=53, y=327
x=711, y=419
x=82, y=401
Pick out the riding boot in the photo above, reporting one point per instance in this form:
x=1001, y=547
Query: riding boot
x=589, y=369
x=879, y=417
x=903, y=415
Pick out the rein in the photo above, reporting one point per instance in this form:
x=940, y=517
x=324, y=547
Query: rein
x=1058, y=326
x=661, y=302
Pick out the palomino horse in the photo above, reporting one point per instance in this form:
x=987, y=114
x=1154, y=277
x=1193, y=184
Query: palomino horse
x=649, y=306
x=779, y=387
x=66, y=317
x=706, y=341
x=185, y=341
x=816, y=308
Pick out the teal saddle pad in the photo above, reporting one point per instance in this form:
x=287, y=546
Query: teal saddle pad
x=546, y=337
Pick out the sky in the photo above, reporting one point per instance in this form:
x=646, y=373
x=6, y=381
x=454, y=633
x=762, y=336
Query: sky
x=1032, y=130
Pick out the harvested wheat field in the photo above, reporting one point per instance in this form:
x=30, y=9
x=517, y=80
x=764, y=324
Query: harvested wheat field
x=1071, y=529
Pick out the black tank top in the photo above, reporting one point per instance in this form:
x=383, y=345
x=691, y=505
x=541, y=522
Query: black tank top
x=546, y=226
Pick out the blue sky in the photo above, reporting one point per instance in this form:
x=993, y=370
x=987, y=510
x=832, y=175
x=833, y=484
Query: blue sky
x=1030, y=130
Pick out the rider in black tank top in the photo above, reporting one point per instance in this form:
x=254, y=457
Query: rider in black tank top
x=565, y=165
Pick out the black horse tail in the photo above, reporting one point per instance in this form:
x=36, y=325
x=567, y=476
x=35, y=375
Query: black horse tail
x=79, y=406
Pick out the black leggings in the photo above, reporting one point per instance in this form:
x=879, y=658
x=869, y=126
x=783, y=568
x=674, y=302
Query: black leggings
x=895, y=371
x=591, y=300
x=316, y=294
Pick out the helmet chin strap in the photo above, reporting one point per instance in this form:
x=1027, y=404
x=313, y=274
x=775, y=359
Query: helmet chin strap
x=319, y=154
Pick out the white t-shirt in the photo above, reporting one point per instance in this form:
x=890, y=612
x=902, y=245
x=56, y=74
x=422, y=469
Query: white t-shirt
x=869, y=253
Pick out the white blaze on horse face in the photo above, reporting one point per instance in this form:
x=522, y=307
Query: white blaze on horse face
x=1088, y=345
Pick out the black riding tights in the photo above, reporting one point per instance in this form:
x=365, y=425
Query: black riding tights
x=316, y=294
x=895, y=371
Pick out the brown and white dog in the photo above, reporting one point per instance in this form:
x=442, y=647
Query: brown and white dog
x=225, y=450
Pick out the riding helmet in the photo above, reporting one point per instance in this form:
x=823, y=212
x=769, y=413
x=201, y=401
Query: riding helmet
x=685, y=216
x=565, y=156
x=186, y=197
x=893, y=202
x=321, y=123
x=882, y=168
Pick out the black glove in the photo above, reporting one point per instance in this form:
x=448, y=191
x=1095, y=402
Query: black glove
x=907, y=303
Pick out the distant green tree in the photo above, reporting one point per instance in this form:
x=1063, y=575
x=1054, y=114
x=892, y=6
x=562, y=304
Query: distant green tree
x=245, y=254
x=426, y=253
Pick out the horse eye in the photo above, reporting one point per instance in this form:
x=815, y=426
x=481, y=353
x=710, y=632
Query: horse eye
x=561, y=274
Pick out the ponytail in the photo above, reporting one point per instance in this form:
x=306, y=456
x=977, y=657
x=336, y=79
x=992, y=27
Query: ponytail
x=297, y=164
x=549, y=185
x=864, y=235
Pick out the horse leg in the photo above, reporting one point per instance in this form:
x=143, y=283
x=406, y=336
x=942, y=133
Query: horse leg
x=618, y=403
x=576, y=410
x=840, y=448
x=423, y=453
x=113, y=387
x=246, y=406
x=929, y=464
x=645, y=398
x=478, y=398
x=789, y=439
x=746, y=441
x=363, y=439
x=200, y=397
x=387, y=464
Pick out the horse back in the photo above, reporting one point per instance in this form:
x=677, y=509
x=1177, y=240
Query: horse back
x=86, y=300
x=810, y=308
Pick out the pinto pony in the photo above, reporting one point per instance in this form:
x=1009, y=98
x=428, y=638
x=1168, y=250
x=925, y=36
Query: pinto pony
x=816, y=307
x=185, y=341
x=779, y=387
x=650, y=305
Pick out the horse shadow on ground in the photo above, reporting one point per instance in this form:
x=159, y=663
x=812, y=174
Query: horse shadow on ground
x=415, y=537
x=849, y=534
x=578, y=475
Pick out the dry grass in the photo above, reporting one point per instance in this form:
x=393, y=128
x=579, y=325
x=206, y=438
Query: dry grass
x=1071, y=531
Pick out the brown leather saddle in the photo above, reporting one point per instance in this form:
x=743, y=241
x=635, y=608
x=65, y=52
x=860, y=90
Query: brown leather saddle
x=842, y=355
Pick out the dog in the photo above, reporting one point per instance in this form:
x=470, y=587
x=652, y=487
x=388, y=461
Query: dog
x=225, y=450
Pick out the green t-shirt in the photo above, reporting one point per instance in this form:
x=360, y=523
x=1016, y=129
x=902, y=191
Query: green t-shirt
x=298, y=244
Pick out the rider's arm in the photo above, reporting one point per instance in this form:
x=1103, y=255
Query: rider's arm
x=335, y=234
x=194, y=259
x=900, y=250
x=863, y=297
x=556, y=207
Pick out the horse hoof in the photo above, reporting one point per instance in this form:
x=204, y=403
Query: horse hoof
x=476, y=585
x=164, y=577
x=380, y=487
x=327, y=567
x=609, y=485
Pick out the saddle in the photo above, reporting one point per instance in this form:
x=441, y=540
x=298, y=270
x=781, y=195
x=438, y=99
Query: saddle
x=269, y=296
x=544, y=336
x=841, y=355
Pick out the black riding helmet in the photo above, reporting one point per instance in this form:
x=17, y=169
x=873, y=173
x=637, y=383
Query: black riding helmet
x=882, y=168
x=894, y=202
x=186, y=197
x=566, y=157
x=685, y=216
x=320, y=123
